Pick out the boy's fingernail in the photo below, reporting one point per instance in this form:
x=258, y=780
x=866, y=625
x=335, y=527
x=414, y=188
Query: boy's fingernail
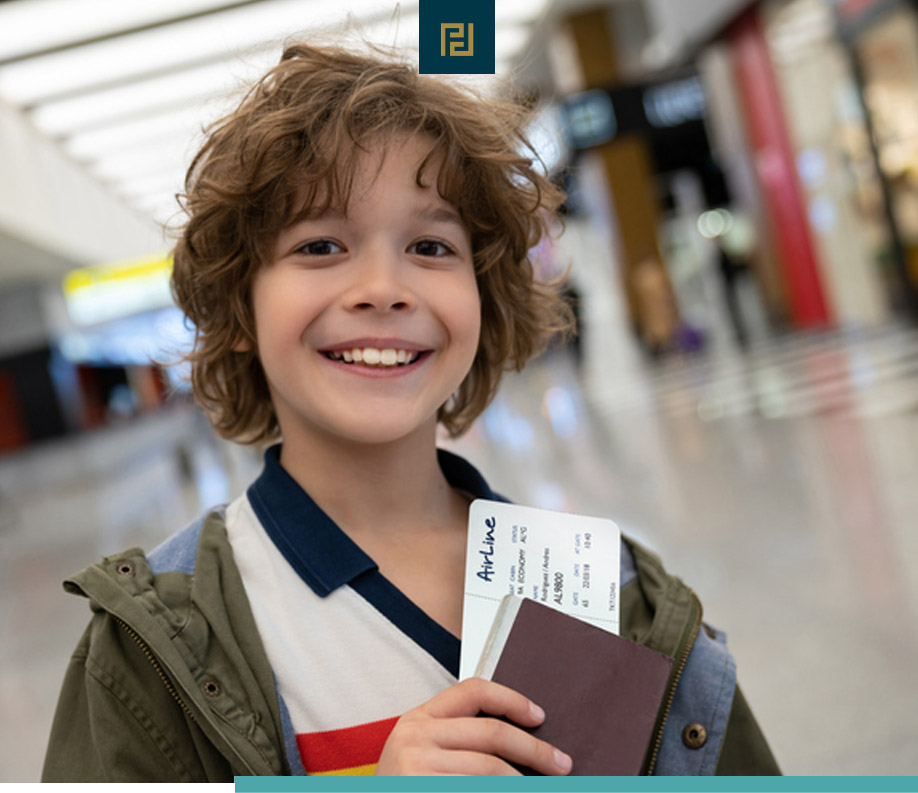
x=536, y=711
x=563, y=761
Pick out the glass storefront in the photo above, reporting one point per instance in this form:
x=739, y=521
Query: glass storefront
x=887, y=50
x=835, y=165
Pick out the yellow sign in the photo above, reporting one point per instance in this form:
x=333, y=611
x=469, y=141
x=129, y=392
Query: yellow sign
x=455, y=32
x=108, y=291
x=158, y=265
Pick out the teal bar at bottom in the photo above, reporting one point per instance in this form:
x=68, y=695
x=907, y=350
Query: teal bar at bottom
x=585, y=784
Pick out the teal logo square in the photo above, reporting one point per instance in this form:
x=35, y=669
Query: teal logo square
x=456, y=37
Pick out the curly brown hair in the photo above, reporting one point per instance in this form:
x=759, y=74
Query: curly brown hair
x=293, y=145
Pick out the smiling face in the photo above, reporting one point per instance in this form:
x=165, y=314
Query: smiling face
x=367, y=321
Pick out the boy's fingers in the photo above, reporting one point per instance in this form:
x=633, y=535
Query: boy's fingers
x=494, y=737
x=474, y=696
x=475, y=764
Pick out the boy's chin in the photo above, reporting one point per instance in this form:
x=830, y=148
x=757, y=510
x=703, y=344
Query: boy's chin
x=370, y=431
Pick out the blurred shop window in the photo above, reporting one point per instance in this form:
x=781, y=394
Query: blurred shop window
x=128, y=357
x=888, y=51
x=113, y=393
x=835, y=165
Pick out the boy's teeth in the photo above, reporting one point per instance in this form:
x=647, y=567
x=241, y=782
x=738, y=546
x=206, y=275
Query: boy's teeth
x=372, y=356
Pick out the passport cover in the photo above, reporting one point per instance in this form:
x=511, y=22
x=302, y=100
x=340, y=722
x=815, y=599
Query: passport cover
x=600, y=692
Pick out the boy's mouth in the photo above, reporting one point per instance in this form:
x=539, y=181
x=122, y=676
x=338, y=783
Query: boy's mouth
x=374, y=356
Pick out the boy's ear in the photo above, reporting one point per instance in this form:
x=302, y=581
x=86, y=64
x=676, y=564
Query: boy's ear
x=242, y=344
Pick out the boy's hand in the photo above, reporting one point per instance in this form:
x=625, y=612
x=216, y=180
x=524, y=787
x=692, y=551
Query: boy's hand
x=444, y=736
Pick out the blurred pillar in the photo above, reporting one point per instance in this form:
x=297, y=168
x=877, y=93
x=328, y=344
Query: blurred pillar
x=626, y=160
x=777, y=171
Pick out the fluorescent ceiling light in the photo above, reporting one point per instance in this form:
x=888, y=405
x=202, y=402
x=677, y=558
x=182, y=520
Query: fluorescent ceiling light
x=176, y=148
x=519, y=11
x=509, y=40
x=163, y=209
x=171, y=182
x=165, y=218
x=157, y=202
x=182, y=88
x=140, y=163
x=157, y=199
x=169, y=47
x=400, y=32
x=28, y=27
x=185, y=124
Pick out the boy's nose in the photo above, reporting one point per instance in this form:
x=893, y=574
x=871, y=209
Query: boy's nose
x=380, y=283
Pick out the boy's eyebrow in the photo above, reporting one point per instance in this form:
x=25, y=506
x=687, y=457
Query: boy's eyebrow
x=437, y=214
x=441, y=214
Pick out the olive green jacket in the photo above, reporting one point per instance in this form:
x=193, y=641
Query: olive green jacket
x=170, y=681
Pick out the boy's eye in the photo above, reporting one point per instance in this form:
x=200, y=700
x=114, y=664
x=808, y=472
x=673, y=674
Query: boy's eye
x=321, y=248
x=430, y=248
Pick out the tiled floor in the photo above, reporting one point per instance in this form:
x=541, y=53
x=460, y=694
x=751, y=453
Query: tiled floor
x=780, y=484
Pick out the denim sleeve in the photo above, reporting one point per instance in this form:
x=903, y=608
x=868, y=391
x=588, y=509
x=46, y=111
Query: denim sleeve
x=703, y=697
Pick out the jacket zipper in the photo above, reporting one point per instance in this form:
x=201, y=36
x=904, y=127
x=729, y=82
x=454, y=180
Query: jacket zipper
x=156, y=665
x=144, y=647
x=658, y=739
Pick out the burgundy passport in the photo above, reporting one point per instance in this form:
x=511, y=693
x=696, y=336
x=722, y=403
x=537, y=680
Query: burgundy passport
x=601, y=693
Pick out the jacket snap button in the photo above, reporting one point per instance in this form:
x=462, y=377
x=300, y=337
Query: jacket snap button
x=211, y=688
x=694, y=736
x=125, y=568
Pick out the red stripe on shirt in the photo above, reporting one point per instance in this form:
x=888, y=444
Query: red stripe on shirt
x=345, y=748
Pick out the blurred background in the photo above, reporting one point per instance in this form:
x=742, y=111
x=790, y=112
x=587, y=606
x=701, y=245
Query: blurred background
x=742, y=233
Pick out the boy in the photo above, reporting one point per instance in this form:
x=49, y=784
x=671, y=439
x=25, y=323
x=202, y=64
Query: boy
x=355, y=264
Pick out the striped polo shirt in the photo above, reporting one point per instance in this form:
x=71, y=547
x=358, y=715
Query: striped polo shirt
x=351, y=653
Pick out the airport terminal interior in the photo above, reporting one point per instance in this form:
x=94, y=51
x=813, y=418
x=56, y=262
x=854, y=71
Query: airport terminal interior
x=740, y=248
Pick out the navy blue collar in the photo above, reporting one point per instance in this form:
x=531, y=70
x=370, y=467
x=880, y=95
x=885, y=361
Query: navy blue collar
x=320, y=552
